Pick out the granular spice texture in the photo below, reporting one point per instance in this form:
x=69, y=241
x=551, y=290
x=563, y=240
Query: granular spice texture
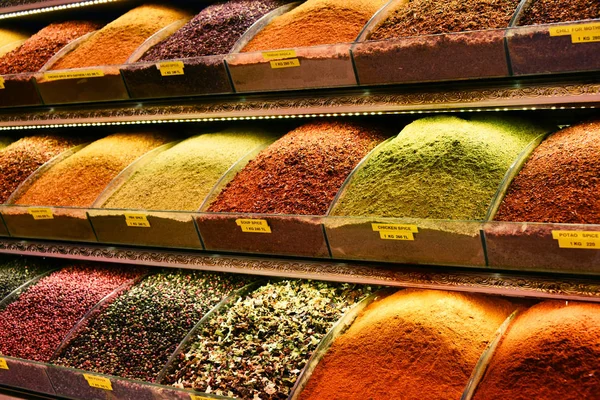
x=258, y=347
x=428, y=17
x=441, y=167
x=20, y=159
x=316, y=22
x=550, y=11
x=560, y=181
x=301, y=172
x=16, y=271
x=551, y=351
x=180, y=178
x=414, y=344
x=33, y=326
x=213, y=31
x=114, y=43
x=38, y=49
x=8, y=36
x=134, y=336
x=78, y=180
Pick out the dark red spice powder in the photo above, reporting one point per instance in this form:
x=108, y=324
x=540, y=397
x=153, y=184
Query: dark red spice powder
x=33, y=326
x=301, y=172
x=38, y=49
x=550, y=11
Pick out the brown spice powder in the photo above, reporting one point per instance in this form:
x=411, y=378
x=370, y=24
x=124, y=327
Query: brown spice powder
x=114, y=43
x=316, y=22
x=81, y=178
x=414, y=344
x=550, y=11
x=550, y=352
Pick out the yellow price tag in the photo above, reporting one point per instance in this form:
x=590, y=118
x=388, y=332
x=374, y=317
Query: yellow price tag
x=57, y=76
x=137, y=220
x=395, y=227
x=585, y=38
x=588, y=244
x=3, y=364
x=253, y=225
x=278, y=54
x=575, y=235
x=98, y=382
x=581, y=33
x=198, y=397
x=170, y=68
x=41, y=213
x=294, y=62
x=2, y=83
x=392, y=235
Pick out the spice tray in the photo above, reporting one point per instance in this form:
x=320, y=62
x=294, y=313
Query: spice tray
x=24, y=374
x=554, y=48
x=3, y=229
x=19, y=90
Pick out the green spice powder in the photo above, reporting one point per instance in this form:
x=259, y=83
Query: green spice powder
x=180, y=178
x=440, y=167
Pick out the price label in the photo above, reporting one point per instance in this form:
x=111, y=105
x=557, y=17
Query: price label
x=395, y=231
x=2, y=82
x=391, y=235
x=294, y=62
x=3, y=364
x=98, y=382
x=170, y=68
x=278, y=54
x=583, y=33
x=41, y=213
x=198, y=397
x=57, y=76
x=137, y=220
x=254, y=225
x=577, y=239
x=584, y=38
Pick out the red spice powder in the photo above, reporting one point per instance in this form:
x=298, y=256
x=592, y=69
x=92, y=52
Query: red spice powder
x=81, y=178
x=560, y=182
x=551, y=352
x=414, y=344
x=33, y=326
x=301, y=172
x=23, y=157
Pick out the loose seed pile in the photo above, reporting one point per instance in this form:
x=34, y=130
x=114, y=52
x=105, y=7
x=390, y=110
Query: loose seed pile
x=550, y=11
x=137, y=333
x=16, y=271
x=33, y=326
x=258, y=347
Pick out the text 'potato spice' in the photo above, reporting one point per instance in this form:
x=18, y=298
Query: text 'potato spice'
x=316, y=22
x=441, y=167
x=560, y=181
x=38, y=49
x=180, y=178
x=414, y=344
x=550, y=352
x=134, y=336
x=78, y=180
x=258, y=347
x=33, y=326
x=301, y=172
x=114, y=43
x=23, y=157
x=15, y=271
x=550, y=11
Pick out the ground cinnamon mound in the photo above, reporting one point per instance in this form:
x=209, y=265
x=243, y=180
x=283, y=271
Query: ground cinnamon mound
x=414, y=344
x=114, y=43
x=550, y=352
x=316, y=22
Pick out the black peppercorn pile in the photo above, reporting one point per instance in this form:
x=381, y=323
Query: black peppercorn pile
x=134, y=336
x=257, y=348
x=16, y=271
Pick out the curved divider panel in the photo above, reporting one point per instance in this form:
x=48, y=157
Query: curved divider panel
x=553, y=48
x=79, y=85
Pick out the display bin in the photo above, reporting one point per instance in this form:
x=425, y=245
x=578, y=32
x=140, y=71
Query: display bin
x=185, y=77
x=19, y=90
x=80, y=85
x=3, y=229
x=25, y=374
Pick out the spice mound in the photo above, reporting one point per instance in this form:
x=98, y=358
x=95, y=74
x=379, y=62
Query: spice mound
x=550, y=11
x=441, y=167
x=78, y=180
x=15, y=271
x=134, y=336
x=259, y=345
x=9, y=36
x=215, y=30
x=38, y=49
x=316, y=22
x=429, y=17
x=414, y=344
x=301, y=172
x=23, y=157
x=33, y=326
x=180, y=178
x=540, y=194
x=114, y=43
x=551, y=351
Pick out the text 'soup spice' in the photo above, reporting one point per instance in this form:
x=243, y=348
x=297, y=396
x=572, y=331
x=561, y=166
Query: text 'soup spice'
x=258, y=347
x=134, y=336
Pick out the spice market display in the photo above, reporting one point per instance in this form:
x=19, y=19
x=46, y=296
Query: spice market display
x=338, y=199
